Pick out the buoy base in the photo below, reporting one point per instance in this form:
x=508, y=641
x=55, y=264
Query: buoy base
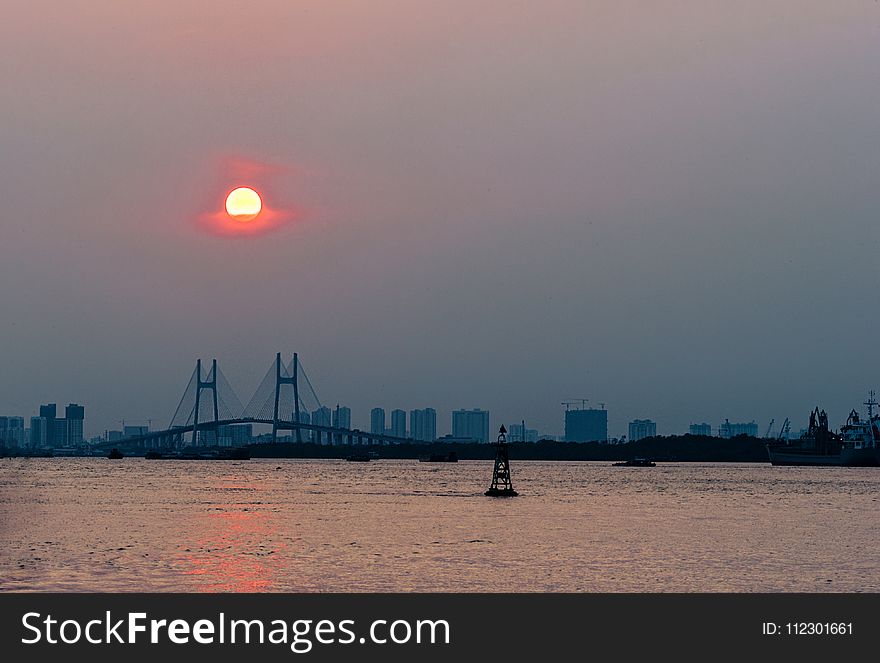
x=501, y=492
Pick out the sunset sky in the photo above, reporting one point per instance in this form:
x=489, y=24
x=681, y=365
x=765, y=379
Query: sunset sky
x=668, y=207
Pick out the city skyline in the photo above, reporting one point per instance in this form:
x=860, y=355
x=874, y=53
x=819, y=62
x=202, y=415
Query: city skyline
x=581, y=425
x=363, y=421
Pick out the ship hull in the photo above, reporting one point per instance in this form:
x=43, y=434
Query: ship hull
x=846, y=458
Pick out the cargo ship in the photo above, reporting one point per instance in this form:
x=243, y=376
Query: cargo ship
x=636, y=462
x=225, y=453
x=451, y=457
x=856, y=445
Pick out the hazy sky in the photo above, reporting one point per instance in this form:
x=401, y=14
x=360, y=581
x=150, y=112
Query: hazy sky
x=668, y=207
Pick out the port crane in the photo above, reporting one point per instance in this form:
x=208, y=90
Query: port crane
x=785, y=430
x=769, y=428
x=871, y=402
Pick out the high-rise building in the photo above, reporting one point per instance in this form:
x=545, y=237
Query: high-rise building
x=321, y=416
x=519, y=434
x=586, y=425
x=703, y=429
x=398, y=423
x=639, y=429
x=235, y=435
x=377, y=421
x=49, y=413
x=304, y=417
x=471, y=424
x=208, y=438
x=74, y=414
x=430, y=424
x=423, y=424
x=342, y=417
x=12, y=432
x=39, y=432
x=59, y=436
x=728, y=430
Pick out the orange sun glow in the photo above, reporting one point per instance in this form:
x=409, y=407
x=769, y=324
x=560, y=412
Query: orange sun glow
x=243, y=204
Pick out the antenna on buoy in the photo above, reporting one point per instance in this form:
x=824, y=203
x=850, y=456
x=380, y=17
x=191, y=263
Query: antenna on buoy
x=501, y=483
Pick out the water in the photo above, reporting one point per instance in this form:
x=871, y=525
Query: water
x=91, y=524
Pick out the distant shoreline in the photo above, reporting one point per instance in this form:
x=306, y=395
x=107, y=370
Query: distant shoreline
x=681, y=448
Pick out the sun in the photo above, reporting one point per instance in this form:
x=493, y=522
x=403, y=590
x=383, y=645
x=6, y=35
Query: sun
x=243, y=204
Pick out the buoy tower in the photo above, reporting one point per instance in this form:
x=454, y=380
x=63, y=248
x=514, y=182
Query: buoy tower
x=501, y=483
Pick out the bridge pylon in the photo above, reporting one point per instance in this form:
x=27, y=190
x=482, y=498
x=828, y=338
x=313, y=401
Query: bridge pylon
x=210, y=384
x=281, y=378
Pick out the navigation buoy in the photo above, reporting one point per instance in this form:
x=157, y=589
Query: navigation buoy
x=501, y=483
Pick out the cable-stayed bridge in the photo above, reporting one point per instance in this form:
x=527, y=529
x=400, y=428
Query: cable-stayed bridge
x=283, y=397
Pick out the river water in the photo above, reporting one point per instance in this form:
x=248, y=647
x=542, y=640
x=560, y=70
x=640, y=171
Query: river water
x=91, y=524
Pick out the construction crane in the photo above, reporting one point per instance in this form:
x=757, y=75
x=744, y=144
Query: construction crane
x=784, y=431
x=582, y=401
x=769, y=428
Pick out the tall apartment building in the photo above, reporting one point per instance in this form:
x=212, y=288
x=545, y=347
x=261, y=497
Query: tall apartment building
x=423, y=424
x=471, y=424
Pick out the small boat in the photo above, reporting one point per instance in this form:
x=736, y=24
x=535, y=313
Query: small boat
x=358, y=458
x=636, y=462
x=451, y=457
x=115, y=454
x=234, y=453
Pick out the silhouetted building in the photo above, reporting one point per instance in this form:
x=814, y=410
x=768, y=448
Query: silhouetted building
x=40, y=432
x=321, y=416
x=728, y=430
x=377, y=421
x=12, y=432
x=473, y=424
x=135, y=431
x=113, y=435
x=703, y=429
x=235, y=435
x=398, y=423
x=75, y=414
x=49, y=413
x=342, y=417
x=59, y=435
x=519, y=434
x=639, y=429
x=304, y=417
x=586, y=425
x=423, y=424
